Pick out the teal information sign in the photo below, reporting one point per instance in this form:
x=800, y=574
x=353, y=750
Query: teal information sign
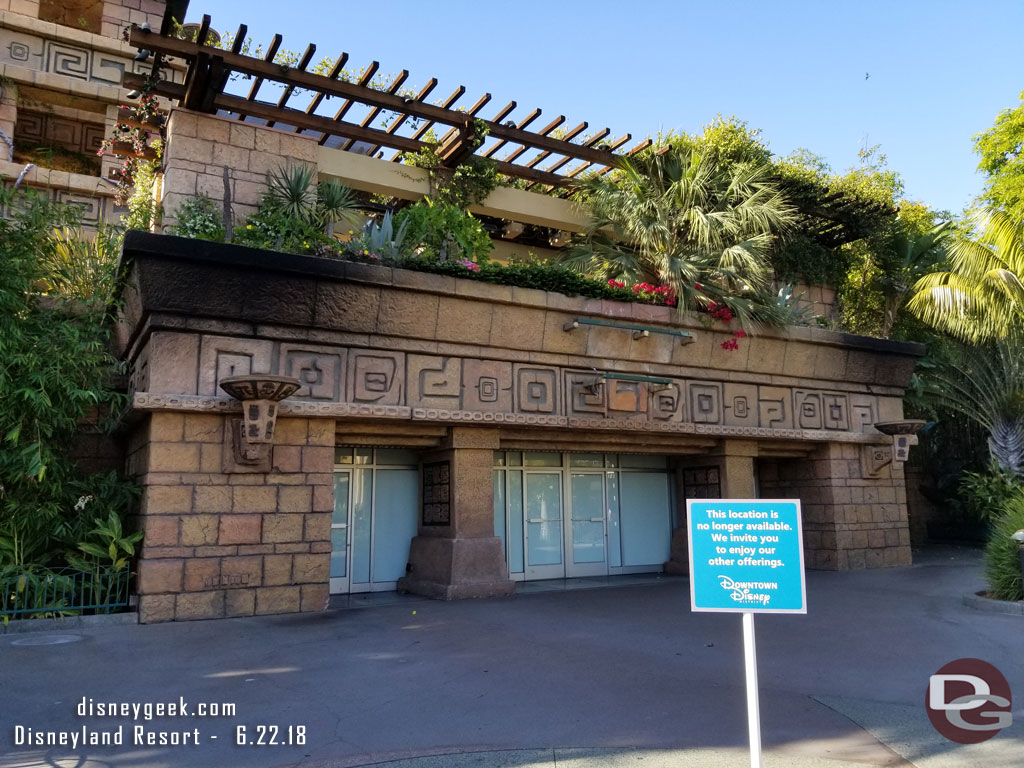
x=746, y=555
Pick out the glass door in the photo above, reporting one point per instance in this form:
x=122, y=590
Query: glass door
x=586, y=534
x=543, y=525
x=340, y=545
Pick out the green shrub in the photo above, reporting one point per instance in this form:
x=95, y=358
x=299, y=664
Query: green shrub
x=1002, y=554
x=55, y=369
x=199, y=218
x=986, y=494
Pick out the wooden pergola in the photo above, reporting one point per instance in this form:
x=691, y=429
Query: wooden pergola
x=550, y=156
x=534, y=155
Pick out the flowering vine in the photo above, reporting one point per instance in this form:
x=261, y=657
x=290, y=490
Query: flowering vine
x=130, y=138
x=716, y=310
x=651, y=294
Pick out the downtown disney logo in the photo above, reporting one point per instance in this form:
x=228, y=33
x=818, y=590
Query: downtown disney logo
x=743, y=591
x=968, y=701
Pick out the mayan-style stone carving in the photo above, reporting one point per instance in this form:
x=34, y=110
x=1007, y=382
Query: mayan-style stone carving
x=775, y=407
x=487, y=386
x=321, y=372
x=741, y=405
x=376, y=378
x=705, y=402
x=666, y=403
x=435, y=381
x=808, y=409
x=536, y=389
x=835, y=411
x=585, y=393
x=863, y=412
x=221, y=357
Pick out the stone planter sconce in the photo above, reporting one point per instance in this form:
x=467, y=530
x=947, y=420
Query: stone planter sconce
x=875, y=457
x=253, y=434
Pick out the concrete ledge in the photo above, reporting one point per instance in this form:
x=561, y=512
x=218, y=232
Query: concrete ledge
x=979, y=602
x=24, y=626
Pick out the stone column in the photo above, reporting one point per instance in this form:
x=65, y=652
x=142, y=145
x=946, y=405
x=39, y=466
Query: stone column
x=852, y=518
x=226, y=540
x=8, y=117
x=735, y=460
x=456, y=553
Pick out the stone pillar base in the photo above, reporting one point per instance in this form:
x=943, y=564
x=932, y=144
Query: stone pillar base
x=452, y=569
x=679, y=563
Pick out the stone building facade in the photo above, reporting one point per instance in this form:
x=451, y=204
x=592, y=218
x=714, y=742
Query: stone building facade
x=472, y=382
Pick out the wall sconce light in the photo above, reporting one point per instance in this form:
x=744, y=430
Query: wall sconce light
x=875, y=457
x=512, y=230
x=558, y=239
x=253, y=434
x=903, y=435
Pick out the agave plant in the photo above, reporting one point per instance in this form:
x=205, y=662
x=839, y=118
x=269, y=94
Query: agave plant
x=382, y=238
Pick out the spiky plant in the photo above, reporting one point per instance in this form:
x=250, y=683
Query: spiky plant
x=986, y=385
x=291, y=192
x=981, y=296
x=685, y=220
x=334, y=202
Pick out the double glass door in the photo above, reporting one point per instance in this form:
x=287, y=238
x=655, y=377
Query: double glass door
x=374, y=520
x=566, y=520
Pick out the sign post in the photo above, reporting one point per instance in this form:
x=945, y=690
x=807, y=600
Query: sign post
x=747, y=556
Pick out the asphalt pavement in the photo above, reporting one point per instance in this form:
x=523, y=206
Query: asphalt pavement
x=580, y=678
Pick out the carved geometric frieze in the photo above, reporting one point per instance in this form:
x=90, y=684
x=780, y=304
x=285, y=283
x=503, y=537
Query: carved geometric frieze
x=67, y=60
x=220, y=357
x=320, y=369
x=775, y=407
x=667, y=403
x=741, y=405
x=808, y=409
x=536, y=389
x=486, y=386
x=585, y=394
x=705, y=402
x=835, y=411
x=375, y=377
x=434, y=381
x=863, y=412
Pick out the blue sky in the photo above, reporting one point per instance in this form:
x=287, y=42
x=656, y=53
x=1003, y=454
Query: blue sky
x=940, y=71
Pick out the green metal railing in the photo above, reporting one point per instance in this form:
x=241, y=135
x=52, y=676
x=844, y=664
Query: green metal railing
x=46, y=593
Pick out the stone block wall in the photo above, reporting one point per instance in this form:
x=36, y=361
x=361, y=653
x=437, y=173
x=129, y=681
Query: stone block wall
x=118, y=14
x=850, y=521
x=199, y=147
x=221, y=540
x=23, y=7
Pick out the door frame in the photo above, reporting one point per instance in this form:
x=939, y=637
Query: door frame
x=554, y=570
x=584, y=570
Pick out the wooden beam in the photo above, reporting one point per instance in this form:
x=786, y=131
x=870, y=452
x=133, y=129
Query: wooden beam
x=547, y=153
x=528, y=119
x=289, y=90
x=318, y=123
x=399, y=120
x=372, y=114
x=513, y=156
x=531, y=174
x=289, y=76
x=364, y=80
x=275, y=44
x=336, y=70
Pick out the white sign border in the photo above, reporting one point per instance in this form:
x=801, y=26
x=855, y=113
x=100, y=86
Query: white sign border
x=747, y=609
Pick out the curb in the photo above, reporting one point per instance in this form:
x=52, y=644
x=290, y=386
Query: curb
x=978, y=602
x=24, y=626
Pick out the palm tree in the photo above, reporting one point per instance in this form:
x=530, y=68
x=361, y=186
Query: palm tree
x=680, y=219
x=981, y=297
x=906, y=260
x=985, y=384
